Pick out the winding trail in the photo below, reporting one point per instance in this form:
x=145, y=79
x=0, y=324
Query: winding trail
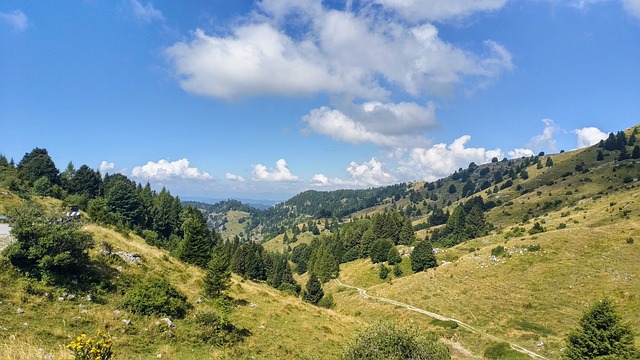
x=516, y=347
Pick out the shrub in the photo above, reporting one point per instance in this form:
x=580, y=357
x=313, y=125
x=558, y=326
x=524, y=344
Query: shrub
x=384, y=272
x=562, y=226
x=533, y=248
x=395, y=342
x=214, y=330
x=501, y=351
x=536, y=229
x=156, y=296
x=327, y=302
x=498, y=250
x=86, y=348
x=629, y=240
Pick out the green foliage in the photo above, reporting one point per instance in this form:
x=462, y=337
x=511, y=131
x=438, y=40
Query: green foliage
x=247, y=262
x=393, y=256
x=327, y=302
x=218, y=276
x=422, y=257
x=549, y=162
x=389, y=341
x=45, y=246
x=536, y=229
x=313, y=292
x=300, y=255
x=323, y=263
x=502, y=351
x=602, y=333
x=380, y=250
x=215, y=330
x=383, y=273
x=397, y=271
x=498, y=250
x=37, y=164
x=449, y=324
x=87, y=348
x=196, y=246
x=155, y=296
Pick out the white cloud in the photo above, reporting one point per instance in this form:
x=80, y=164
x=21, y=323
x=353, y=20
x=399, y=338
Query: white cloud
x=589, y=136
x=106, y=167
x=544, y=141
x=164, y=169
x=415, y=10
x=146, y=13
x=632, y=7
x=441, y=160
x=383, y=124
x=360, y=54
x=233, y=177
x=280, y=173
x=16, y=19
x=520, y=152
x=369, y=173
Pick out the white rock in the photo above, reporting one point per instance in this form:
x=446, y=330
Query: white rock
x=168, y=322
x=126, y=322
x=19, y=311
x=116, y=312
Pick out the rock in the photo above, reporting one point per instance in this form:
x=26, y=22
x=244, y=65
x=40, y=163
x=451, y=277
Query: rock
x=253, y=305
x=89, y=298
x=198, y=301
x=262, y=327
x=60, y=298
x=20, y=311
x=159, y=356
x=116, y=312
x=126, y=322
x=71, y=297
x=168, y=322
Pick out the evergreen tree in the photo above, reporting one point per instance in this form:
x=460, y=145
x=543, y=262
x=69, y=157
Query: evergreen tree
x=380, y=250
x=384, y=272
x=37, y=164
x=196, y=246
x=393, y=256
x=624, y=154
x=600, y=156
x=407, y=235
x=601, y=334
x=549, y=162
x=313, y=292
x=632, y=139
x=323, y=263
x=539, y=165
x=635, y=154
x=452, y=189
x=397, y=272
x=422, y=257
x=218, y=276
x=475, y=224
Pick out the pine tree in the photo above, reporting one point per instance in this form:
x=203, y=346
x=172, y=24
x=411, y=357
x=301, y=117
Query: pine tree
x=624, y=154
x=384, y=272
x=549, y=162
x=406, y=236
x=422, y=257
x=600, y=156
x=393, y=256
x=601, y=334
x=196, y=246
x=635, y=154
x=397, y=272
x=313, y=292
x=218, y=276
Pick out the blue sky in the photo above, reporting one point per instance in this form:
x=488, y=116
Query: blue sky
x=264, y=99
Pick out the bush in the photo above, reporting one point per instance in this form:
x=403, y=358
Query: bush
x=156, y=296
x=629, y=240
x=391, y=341
x=533, y=248
x=384, y=272
x=214, y=330
x=327, y=302
x=502, y=351
x=498, y=250
x=86, y=348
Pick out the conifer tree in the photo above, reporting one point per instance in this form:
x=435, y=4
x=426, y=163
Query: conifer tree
x=313, y=292
x=549, y=162
x=384, y=272
x=218, y=276
x=196, y=246
x=406, y=236
x=393, y=256
x=600, y=156
x=635, y=154
x=422, y=257
x=602, y=334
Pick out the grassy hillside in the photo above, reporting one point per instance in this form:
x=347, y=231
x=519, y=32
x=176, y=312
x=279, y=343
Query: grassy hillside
x=279, y=324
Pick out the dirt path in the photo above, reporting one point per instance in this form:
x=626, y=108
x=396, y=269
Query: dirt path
x=515, y=347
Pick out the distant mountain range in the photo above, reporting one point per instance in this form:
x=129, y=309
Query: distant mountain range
x=258, y=204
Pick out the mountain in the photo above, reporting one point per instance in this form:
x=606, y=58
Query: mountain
x=550, y=236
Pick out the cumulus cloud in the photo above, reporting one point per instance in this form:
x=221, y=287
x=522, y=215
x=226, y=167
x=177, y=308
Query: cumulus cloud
x=632, y=7
x=369, y=173
x=233, y=177
x=520, y=152
x=106, y=167
x=589, y=136
x=339, y=52
x=415, y=10
x=386, y=124
x=164, y=169
x=280, y=173
x=145, y=13
x=16, y=19
x=545, y=141
x=441, y=159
